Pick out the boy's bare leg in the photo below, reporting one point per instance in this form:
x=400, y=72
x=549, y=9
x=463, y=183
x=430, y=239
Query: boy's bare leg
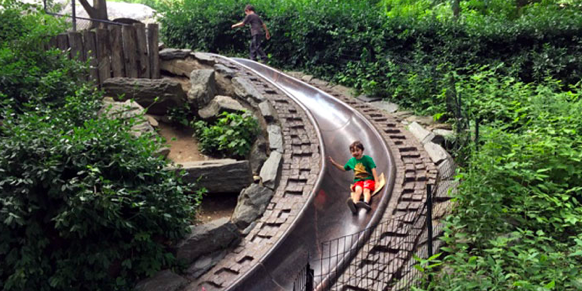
x=367, y=195
x=357, y=194
x=366, y=203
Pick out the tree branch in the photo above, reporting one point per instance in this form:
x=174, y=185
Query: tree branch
x=90, y=10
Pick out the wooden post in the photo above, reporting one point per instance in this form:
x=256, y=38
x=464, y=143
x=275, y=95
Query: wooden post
x=143, y=64
x=117, y=63
x=129, y=50
x=429, y=223
x=91, y=53
x=53, y=42
x=103, y=55
x=76, y=43
x=63, y=43
x=154, y=50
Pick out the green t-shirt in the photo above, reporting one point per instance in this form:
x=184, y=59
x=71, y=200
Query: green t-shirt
x=362, y=168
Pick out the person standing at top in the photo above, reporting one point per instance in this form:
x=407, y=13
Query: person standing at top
x=257, y=27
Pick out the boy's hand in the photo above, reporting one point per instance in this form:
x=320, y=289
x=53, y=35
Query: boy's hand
x=268, y=36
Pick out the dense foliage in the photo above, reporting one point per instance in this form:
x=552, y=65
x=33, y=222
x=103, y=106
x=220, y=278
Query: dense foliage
x=367, y=44
x=31, y=76
x=514, y=65
x=84, y=205
x=518, y=213
x=231, y=135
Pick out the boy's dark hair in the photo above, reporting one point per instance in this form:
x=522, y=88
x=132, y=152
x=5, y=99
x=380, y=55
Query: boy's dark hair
x=356, y=144
x=250, y=7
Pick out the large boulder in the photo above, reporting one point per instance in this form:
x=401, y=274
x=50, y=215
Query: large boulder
x=179, y=67
x=204, y=59
x=436, y=153
x=251, y=204
x=423, y=135
x=172, y=53
x=203, y=87
x=205, y=263
x=270, y=169
x=386, y=106
x=267, y=111
x=275, y=138
x=218, y=176
x=258, y=154
x=140, y=12
x=179, y=62
x=145, y=92
x=246, y=91
x=126, y=110
x=224, y=77
x=207, y=238
x=218, y=105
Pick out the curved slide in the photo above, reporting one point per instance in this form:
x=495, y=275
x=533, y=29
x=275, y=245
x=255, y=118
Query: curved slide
x=326, y=216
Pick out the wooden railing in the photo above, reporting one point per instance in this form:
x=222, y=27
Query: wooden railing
x=117, y=51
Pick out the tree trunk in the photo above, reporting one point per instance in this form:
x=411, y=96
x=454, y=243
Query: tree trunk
x=98, y=11
x=456, y=8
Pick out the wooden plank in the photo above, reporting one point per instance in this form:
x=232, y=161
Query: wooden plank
x=129, y=50
x=117, y=62
x=154, y=50
x=53, y=42
x=76, y=44
x=103, y=54
x=91, y=53
x=63, y=43
x=143, y=64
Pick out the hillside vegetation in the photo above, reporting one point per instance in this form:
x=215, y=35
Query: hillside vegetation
x=84, y=205
x=515, y=66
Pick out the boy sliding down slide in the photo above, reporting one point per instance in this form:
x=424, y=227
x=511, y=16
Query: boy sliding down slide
x=365, y=177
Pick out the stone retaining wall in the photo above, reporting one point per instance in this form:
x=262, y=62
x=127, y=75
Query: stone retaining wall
x=301, y=165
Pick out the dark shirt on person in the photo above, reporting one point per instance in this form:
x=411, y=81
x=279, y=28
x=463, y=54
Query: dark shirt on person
x=256, y=24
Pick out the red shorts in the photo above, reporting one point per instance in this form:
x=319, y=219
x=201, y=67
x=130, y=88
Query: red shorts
x=366, y=184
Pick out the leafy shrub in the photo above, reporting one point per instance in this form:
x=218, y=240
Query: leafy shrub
x=517, y=220
x=85, y=207
x=31, y=77
x=181, y=116
x=232, y=135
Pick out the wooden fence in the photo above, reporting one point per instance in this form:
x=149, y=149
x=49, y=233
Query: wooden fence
x=115, y=51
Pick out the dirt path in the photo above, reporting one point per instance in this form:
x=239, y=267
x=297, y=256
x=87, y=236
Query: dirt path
x=184, y=148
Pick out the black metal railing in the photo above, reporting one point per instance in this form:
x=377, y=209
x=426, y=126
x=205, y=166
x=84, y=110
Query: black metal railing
x=382, y=257
x=305, y=279
x=77, y=22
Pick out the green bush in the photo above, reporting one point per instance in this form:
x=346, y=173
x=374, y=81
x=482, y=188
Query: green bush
x=232, y=135
x=84, y=205
x=30, y=77
x=181, y=116
x=517, y=218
